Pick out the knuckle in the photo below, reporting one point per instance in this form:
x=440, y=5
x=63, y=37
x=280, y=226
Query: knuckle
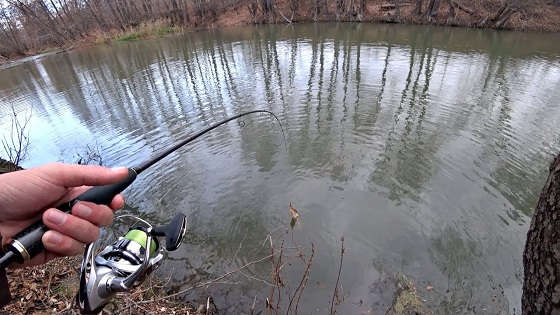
x=82, y=230
x=76, y=248
x=93, y=233
x=109, y=217
x=66, y=246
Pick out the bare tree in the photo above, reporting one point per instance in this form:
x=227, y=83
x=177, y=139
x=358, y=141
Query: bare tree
x=16, y=143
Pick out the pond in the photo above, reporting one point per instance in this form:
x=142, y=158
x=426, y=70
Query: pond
x=425, y=148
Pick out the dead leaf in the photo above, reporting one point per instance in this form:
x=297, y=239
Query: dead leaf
x=295, y=215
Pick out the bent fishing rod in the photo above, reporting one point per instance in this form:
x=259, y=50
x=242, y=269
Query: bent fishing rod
x=27, y=243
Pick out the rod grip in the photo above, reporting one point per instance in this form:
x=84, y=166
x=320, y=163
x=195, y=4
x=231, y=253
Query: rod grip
x=28, y=243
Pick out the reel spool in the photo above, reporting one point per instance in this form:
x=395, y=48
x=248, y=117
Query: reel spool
x=125, y=263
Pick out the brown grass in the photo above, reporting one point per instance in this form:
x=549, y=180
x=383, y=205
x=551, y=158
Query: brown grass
x=51, y=288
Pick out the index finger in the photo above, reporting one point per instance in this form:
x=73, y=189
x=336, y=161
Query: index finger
x=74, y=175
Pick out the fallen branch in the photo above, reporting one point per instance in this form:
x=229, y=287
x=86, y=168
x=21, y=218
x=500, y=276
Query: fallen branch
x=463, y=8
x=505, y=17
x=290, y=20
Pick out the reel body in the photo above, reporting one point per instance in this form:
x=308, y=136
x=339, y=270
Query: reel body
x=125, y=263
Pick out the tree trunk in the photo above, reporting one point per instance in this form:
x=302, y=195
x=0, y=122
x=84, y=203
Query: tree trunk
x=339, y=9
x=361, y=10
x=504, y=17
x=541, y=259
x=418, y=8
x=433, y=7
x=397, y=10
x=116, y=15
x=294, y=5
x=97, y=19
x=451, y=14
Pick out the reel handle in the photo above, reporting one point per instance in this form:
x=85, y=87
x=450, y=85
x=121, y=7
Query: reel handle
x=27, y=243
x=174, y=231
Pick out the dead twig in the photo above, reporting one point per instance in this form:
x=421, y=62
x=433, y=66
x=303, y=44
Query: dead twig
x=248, y=276
x=16, y=145
x=278, y=279
x=91, y=155
x=335, y=293
x=270, y=299
x=301, y=286
x=203, y=284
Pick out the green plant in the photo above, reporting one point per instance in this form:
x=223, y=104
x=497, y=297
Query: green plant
x=128, y=37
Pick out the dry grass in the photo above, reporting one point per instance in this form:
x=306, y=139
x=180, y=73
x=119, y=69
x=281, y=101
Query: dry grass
x=51, y=288
x=148, y=30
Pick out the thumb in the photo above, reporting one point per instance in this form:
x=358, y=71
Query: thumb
x=74, y=175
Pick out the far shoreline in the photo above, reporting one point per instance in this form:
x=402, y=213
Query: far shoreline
x=447, y=15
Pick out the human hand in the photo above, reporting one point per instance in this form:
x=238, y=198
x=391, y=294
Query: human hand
x=28, y=195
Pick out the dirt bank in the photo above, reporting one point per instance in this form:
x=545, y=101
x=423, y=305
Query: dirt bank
x=534, y=15
x=52, y=288
x=531, y=15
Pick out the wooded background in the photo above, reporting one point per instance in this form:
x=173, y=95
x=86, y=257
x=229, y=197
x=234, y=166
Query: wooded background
x=28, y=26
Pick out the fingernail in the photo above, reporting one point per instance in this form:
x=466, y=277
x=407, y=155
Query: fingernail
x=56, y=217
x=81, y=210
x=119, y=169
x=54, y=237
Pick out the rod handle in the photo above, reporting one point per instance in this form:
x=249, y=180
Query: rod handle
x=27, y=243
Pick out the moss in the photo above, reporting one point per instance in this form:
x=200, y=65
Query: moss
x=406, y=299
x=128, y=37
x=166, y=30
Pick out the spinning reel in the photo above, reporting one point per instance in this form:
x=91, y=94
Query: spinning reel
x=125, y=263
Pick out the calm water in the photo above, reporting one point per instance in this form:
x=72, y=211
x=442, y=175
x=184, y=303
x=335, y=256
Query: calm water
x=425, y=148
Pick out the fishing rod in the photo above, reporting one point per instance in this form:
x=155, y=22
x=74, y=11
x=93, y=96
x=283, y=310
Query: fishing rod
x=27, y=243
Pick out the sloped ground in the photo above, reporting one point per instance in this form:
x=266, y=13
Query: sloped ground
x=534, y=15
x=52, y=288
